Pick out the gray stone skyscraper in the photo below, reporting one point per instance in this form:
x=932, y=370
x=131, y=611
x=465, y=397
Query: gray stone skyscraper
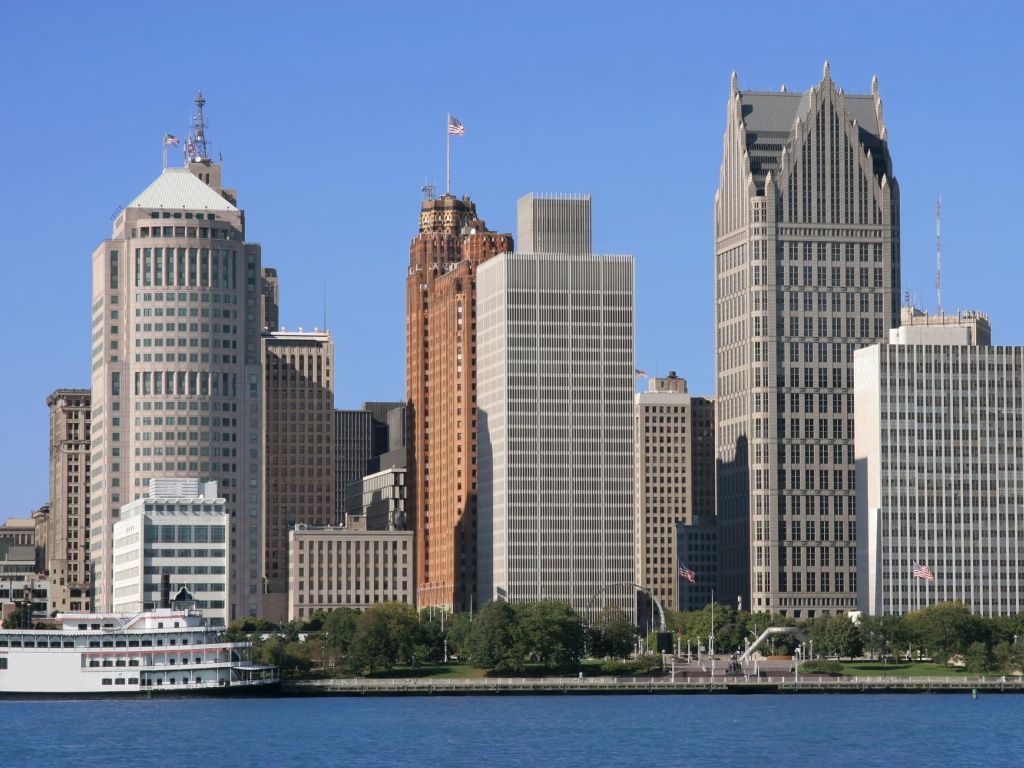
x=807, y=271
x=553, y=224
x=176, y=375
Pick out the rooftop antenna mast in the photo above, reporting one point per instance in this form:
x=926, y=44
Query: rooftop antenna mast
x=196, y=148
x=938, y=256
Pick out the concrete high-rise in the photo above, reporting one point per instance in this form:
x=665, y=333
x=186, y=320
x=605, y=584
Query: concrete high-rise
x=176, y=315
x=555, y=397
x=441, y=390
x=674, y=456
x=67, y=528
x=807, y=270
x=554, y=224
x=298, y=449
x=940, y=473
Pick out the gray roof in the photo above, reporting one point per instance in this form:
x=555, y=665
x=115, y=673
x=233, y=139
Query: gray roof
x=180, y=189
x=776, y=112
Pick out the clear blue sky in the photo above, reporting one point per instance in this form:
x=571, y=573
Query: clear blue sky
x=331, y=116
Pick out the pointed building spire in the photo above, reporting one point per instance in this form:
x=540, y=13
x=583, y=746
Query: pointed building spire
x=734, y=82
x=826, y=73
x=783, y=88
x=874, y=86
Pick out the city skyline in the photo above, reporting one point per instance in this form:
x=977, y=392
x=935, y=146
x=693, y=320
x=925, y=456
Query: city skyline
x=651, y=167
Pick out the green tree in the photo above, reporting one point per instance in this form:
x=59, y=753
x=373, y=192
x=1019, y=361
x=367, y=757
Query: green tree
x=551, y=632
x=978, y=658
x=842, y=637
x=945, y=630
x=730, y=627
x=240, y=629
x=494, y=642
x=339, y=627
x=882, y=635
x=1002, y=657
x=614, y=634
x=404, y=628
x=20, y=618
x=457, y=631
x=373, y=648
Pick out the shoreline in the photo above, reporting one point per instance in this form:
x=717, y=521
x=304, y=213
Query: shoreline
x=571, y=686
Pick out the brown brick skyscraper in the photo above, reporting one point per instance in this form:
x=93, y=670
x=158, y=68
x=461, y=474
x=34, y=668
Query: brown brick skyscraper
x=441, y=389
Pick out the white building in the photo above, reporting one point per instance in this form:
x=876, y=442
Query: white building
x=940, y=473
x=555, y=383
x=181, y=528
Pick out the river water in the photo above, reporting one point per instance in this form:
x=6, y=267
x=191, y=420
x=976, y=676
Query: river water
x=702, y=731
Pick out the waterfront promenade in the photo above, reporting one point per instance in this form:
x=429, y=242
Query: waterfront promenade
x=489, y=686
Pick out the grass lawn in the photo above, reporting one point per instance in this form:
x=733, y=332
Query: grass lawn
x=900, y=669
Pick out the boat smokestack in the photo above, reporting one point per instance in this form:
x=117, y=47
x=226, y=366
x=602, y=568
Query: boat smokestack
x=165, y=590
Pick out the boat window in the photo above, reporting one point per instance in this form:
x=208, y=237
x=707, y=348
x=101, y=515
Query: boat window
x=173, y=641
x=147, y=643
x=107, y=681
x=159, y=642
x=133, y=643
x=83, y=626
x=108, y=643
x=94, y=643
x=133, y=681
x=95, y=626
x=94, y=663
x=3, y=662
x=120, y=643
x=133, y=662
x=69, y=644
x=55, y=643
x=119, y=681
x=159, y=681
x=108, y=663
x=30, y=643
x=3, y=643
x=15, y=643
x=120, y=663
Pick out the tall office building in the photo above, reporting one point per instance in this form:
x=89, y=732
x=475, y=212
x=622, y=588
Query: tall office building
x=298, y=449
x=67, y=528
x=362, y=438
x=441, y=390
x=940, y=473
x=555, y=398
x=674, y=455
x=807, y=270
x=177, y=313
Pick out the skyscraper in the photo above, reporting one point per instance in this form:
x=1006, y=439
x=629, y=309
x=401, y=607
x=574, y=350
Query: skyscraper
x=555, y=392
x=441, y=390
x=67, y=539
x=298, y=444
x=554, y=224
x=177, y=313
x=807, y=270
x=674, y=457
x=940, y=467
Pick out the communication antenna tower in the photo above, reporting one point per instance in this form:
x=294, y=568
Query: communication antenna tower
x=197, y=147
x=938, y=255
x=429, y=191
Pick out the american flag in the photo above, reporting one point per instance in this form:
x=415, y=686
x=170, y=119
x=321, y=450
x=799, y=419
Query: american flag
x=455, y=128
x=641, y=374
x=687, y=573
x=170, y=140
x=922, y=571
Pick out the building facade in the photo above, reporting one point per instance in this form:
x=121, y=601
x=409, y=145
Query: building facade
x=347, y=567
x=67, y=528
x=298, y=449
x=182, y=528
x=380, y=500
x=674, y=454
x=940, y=473
x=555, y=389
x=441, y=389
x=177, y=314
x=807, y=271
x=697, y=550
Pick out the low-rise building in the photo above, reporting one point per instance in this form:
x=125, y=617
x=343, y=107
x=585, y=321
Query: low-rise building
x=379, y=499
x=181, y=529
x=347, y=567
x=21, y=580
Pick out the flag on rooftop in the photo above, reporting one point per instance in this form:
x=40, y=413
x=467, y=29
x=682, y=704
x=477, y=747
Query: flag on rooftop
x=170, y=140
x=455, y=128
x=922, y=571
x=641, y=374
x=687, y=573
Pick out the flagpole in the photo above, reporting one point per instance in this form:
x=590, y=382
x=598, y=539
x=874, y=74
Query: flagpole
x=448, y=155
x=165, y=152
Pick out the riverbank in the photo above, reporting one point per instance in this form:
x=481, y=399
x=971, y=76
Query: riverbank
x=575, y=686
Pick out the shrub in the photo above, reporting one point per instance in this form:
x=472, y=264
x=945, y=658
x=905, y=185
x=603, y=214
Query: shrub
x=821, y=667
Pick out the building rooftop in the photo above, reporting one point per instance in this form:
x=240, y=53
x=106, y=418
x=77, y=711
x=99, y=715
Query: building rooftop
x=180, y=189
